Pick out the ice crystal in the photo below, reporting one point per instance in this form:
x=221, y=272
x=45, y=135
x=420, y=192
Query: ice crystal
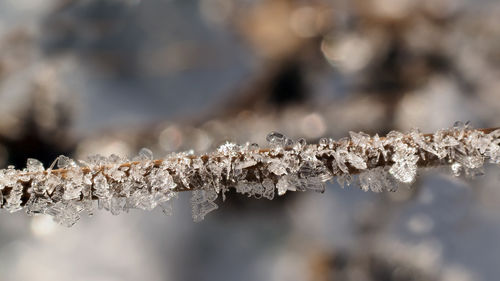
x=376, y=180
x=34, y=165
x=203, y=203
x=356, y=161
x=67, y=187
x=13, y=200
x=144, y=155
x=405, y=163
x=64, y=162
x=275, y=138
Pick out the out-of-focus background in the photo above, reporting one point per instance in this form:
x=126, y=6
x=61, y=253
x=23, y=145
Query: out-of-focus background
x=112, y=76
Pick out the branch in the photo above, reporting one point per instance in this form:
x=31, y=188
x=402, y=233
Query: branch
x=119, y=184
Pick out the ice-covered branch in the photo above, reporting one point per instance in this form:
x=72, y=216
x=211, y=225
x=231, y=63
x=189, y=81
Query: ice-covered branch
x=118, y=184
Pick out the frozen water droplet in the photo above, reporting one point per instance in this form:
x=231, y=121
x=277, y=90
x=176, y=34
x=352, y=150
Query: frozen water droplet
x=289, y=142
x=275, y=138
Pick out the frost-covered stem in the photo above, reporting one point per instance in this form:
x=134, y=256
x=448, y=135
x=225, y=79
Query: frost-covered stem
x=119, y=184
x=430, y=160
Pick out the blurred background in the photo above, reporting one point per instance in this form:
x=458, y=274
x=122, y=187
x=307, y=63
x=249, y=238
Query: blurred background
x=112, y=76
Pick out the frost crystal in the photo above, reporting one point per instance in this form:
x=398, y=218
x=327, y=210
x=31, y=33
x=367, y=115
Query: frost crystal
x=118, y=184
x=144, y=154
x=405, y=163
x=203, y=203
x=64, y=162
x=284, y=185
x=375, y=180
x=356, y=161
x=34, y=166
x=275, y=138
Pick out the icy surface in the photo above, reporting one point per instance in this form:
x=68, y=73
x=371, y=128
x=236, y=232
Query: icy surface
x=68, y=187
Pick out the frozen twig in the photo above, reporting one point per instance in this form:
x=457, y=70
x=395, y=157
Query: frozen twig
x=118, y=184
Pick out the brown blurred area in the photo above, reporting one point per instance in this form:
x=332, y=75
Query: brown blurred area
x=105, y=76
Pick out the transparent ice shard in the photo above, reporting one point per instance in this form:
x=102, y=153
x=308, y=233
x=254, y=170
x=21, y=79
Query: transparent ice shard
x=64, y=162
x=373, y=180
x=160, y=180
x=356, y=161
x=101, y=187
x=145, y=154
x=277, y=167
x=66, y=214
x=34, y=166
x=117, y=205
x=360, y=140
x=316, y=184
x=202, y=202
x=344, y=179
x=252, y=189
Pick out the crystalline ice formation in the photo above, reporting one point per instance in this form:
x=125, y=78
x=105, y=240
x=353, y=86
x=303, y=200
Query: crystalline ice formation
x=67, y=188
x=34, y=166
x=275, y=138
x=202, y=203
x=405, y=163
x=375, y=180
